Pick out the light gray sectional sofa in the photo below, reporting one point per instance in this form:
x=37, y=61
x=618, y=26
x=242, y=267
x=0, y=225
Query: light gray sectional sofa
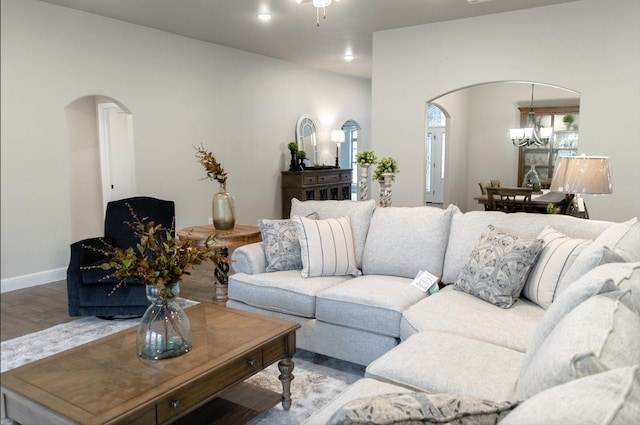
x=553, y=341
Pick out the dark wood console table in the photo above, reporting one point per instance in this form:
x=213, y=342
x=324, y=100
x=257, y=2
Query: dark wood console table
x=318, y=184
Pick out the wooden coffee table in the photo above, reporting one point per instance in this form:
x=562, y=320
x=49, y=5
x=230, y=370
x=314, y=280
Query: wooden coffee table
x=105, y=382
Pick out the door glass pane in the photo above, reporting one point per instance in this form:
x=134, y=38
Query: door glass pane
x=428, y=161
x=444, y=139
x=354, y=160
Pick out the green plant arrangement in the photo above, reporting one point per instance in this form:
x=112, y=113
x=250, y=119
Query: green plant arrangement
x=159, y=259
x=386, y=165
x=551, y=209
x=292, y=146
x=211, y=165
x=301, y=155
x=567, y=119
x=366, y=157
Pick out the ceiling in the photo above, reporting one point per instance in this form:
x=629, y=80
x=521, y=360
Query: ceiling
x=292, y=33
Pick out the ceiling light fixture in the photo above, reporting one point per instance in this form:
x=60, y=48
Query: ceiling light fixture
x=533, y=133
x=319, y=4
x=348, y=57
x=264, y=16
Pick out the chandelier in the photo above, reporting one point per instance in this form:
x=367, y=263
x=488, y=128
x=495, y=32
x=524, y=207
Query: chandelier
x=319, y=4
x=533, y=133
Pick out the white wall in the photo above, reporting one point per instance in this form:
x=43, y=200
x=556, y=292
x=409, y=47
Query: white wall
x=590, y=46
x=181, y=92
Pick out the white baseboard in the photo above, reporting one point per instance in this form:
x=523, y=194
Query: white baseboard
x=34, y=279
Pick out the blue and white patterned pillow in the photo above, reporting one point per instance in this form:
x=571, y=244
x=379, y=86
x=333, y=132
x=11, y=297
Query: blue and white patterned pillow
x=281, y=244
x=498, y=267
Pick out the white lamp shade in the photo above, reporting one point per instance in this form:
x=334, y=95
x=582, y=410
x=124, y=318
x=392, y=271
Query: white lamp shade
x=545, y=132
x=582, y=174
x=321, y=3
x=337, y=136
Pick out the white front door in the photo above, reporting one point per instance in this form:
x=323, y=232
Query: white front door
x=436, y=149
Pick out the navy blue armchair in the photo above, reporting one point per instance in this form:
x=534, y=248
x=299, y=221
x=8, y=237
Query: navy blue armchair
x=90, y=292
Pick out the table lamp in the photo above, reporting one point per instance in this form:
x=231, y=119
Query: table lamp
x=337, y=136
x=578, y=175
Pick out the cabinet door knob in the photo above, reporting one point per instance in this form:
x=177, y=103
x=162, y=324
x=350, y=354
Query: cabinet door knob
x=176, y=404
x=252, y=362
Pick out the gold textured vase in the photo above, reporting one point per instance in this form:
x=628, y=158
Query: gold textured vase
x=223, y=210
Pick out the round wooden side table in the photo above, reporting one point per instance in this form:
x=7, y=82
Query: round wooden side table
x=241, y=234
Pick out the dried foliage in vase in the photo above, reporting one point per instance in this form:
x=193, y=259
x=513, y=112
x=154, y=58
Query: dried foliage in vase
x=211, y=165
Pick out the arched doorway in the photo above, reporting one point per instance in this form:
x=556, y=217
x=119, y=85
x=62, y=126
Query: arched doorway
x=478, y=145
x=349, y=152
x=101, y=160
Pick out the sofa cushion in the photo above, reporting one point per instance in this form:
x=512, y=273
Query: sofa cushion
x=611, y=397
x=439, y=362
x=373, y=303
x=467, y=228
x=402, y=241
x=460, y=313
x=604, y=250
x=607, y=278
x=281, y=245
x=326, y=246
x=627, y=244
x=558, y=254
x=358, y=212
x=498, y=267
x=284, y=291
x=421, y=408
x=598, y=335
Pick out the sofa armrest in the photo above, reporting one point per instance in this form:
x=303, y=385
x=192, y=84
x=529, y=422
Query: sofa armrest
x=250, y=259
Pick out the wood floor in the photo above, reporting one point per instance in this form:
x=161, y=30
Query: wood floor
x=32, y=309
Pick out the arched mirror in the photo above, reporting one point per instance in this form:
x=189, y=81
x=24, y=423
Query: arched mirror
x=306, y=136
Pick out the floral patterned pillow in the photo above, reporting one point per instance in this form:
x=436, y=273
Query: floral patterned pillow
x=498, y=267
x=281, y=244
x=421, y=408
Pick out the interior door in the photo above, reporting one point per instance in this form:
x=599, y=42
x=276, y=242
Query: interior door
x=116, y=153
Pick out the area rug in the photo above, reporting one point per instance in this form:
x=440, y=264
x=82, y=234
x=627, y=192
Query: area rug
x=317, y=379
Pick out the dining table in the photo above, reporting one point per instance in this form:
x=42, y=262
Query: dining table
x=539, y=201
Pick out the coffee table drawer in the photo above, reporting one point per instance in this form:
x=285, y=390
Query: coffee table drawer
x=206, y=387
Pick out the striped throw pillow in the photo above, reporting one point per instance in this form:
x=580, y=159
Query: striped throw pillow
x=558, y=254
x=326, y=246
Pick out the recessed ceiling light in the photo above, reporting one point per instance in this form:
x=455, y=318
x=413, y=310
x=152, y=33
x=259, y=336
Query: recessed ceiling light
x=264, y=16
x=348, y=57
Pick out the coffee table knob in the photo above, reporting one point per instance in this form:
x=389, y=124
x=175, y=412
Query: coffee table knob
x=176, y=404
x=252, y=362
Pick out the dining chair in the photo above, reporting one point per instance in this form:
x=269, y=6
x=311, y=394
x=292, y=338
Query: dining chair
x=509, y=199
x=488, y=183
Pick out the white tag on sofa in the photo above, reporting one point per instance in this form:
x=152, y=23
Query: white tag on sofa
x=426, y=282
